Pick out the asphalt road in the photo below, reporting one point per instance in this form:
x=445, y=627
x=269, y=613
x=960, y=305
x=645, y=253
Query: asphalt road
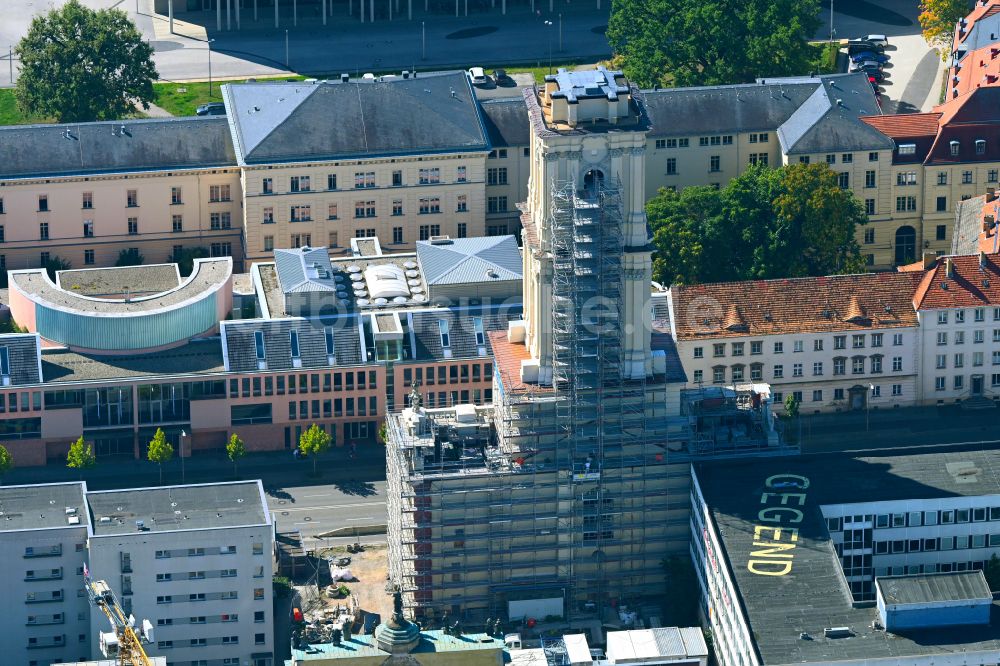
x=314, y=510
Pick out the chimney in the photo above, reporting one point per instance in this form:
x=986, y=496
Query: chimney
x=930, y=258
x=949, y=268
x=982, y=259
x=991, y=194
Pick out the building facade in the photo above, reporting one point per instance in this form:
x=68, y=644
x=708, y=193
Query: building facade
x=196, y=561
x=43, y=540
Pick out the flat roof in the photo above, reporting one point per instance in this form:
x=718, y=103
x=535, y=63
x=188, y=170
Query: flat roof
x=42, y=506
x=209, y=274
x=363, y=645
x=115, y=282
x=172, y=508
x=200, y=357
x=934, y=588
x=813, y=594
x=638, y=646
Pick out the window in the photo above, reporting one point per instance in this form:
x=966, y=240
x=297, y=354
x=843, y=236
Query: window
x=88, y=198
x=959, y=361
x=477, y=323
x=397, y=235
x=299, y=213
x=699, y=376
x=858, y=341
x=221, y=249
x=844, y=180
x=133, y=226
x=858, y=365
x=738, y=348
x=758, y=158
x=43, y=231
x=88, y=257
x=43, y=203
x=727, y=139
x=870, y=179
x=779, y=347
x=131, y=198
x=817, y=368
x=267, y=186
x=671, y=166
x=817, y=396
x=496, y=176
x=966, y=177
x=364, y=179
x=980, y=147
x=869, y=206
x=942, y=178
x=299, y=183
x=718, y=349
x=267, y=215
x=713, y=163
x=897, y=363
x=331, y=181
x=364, y=209
x=831, y=159
x=737, y=373
x=796, y=370
x=430, y=205
x=756, y=347
x=496, y=204
x=219, y=193
x=779, y=371
x=176, y=224
x=803, y=159
x=699, y=352
x=953, y=147
x=268, y=243
x=425, y=231
x=219, y=221
x=431, y=176
x=797, y=346
x=876, y=364
x=445, y=335
x=869, y=236
x=991, y=176
x=939, y=383
x=906, y=204
x=301, y=240
x=906, y=178
x=462, y=205
x=719, y=374
x=959, y=382
x=661, y=143
x=293, y=341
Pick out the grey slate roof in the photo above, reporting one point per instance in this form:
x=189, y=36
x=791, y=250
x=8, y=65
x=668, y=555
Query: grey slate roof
x=206, y=506
x=241, y=350
x=146, y=145
x=931, y=588
x=23, y=350
x=200, y=357
x=137, y=280
x=830, y=119
x=506, y=122
x=41, y=506
x=461, y=331
x=588, y=84
x=296, y=272
x=968, y=225
x=813, y=595
x=468, y=260
x=330, y=120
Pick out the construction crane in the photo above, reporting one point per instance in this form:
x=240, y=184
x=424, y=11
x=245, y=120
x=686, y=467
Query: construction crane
x=122, y=643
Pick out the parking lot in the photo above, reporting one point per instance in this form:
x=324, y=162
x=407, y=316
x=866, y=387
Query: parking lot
x=914, y=71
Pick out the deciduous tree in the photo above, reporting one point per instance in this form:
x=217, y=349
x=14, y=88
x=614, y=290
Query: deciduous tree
x=235, y=450
x=6, y=462
x=314, y=442
x=80, y=64
x=80, y=456
x=160, y=450
x=130, y=257
x=704, y=42
x=937, y=21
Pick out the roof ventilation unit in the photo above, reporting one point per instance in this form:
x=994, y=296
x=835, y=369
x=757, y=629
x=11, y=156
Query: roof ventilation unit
x=838, y=632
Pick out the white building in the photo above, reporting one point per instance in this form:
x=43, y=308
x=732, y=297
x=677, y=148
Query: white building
x=43, y=537
x=195, y=560
x=958, y=309
x=794, y=557
x=835, y=343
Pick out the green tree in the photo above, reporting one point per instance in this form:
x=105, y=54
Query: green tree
x=130, y=257
x=791, y=406
x=6, y=461
x=54, y=265
x=80, y=456
x=236, y=450
x=767, y=223
x=706, y=42
x=185, y=259
x=937, y=21
x=314, y=442
x=80, y=64
x=159, y=450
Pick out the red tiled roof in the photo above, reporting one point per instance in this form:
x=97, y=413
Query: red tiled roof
x=905, y=125
x=800, y=305
x=508, y=357
x=975, y=281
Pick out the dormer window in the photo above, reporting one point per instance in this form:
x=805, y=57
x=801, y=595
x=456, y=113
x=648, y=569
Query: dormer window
x=477, y=323
x=907, y=148
x=953, y=145
x=293, y=343
x=331, y=359
x=258, y=340
x=5, y=365
x=980, y=146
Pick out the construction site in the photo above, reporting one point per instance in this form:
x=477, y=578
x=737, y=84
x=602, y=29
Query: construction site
x=560, y=501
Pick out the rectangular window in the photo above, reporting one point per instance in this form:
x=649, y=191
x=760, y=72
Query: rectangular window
x=331, y=181
x=131, y=198
x=430, y=205
x=299, y=183
x=293, y=341
x=942, y=204
x=671, y=166
x=844, y=180
x=462, y=203
x=713, y=163
x=966, y=177
x=267, y=185
x=364, y=179
x=43, y=231
x=869, y=206
x=870, y=179
x=88, y=257
x=445, y=335
x=432, y=176
x=397, y=235
x=133, y=226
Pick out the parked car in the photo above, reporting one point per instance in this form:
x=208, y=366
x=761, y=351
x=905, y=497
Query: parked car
x=874, y=83
x=478, y=76
x=865, y=66
x=870, y=55
x=878, y=40
x=860, y=45
x=211, y=109
x=501, y=79
x=876, y=74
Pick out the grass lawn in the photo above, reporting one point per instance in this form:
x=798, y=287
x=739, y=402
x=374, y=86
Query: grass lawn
x=824, y=60
x=10, y=114
x=538, y=72
x=181, y=99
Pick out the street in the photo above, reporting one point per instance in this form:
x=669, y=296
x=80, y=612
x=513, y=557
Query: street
x=318, y=509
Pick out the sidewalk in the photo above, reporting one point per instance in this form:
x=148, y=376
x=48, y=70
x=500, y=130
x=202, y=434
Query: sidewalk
x=275, y=469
